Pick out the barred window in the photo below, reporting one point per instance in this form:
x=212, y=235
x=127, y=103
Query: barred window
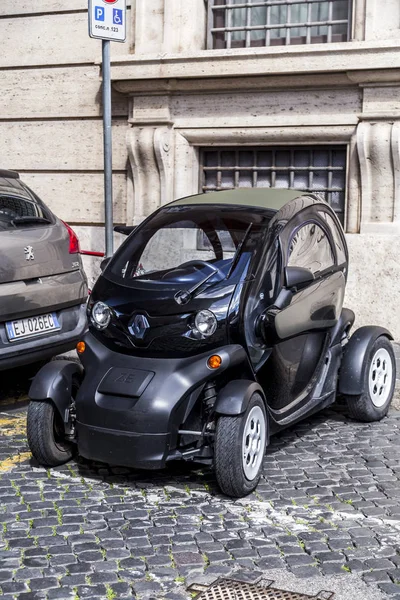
x=244, y=23
x=319, y=169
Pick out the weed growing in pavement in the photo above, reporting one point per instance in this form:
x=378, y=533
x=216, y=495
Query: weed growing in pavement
x=40, y=484
x=16, y=488
x=110, y=593
x=58, y=513
x=172, y=559
x=346, y=568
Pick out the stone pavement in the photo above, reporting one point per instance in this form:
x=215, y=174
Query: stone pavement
x=328, y=506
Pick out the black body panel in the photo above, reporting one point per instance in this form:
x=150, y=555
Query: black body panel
x=234, y=398
x=155, y=407
x=54, y=382
x=354, y=364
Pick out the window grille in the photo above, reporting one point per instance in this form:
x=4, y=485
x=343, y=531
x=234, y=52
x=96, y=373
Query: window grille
x=319, y=169
x=245, y=23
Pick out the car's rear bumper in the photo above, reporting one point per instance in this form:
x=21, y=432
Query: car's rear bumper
x=73, y=325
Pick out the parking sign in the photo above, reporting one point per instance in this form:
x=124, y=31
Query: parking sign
x=107, y=20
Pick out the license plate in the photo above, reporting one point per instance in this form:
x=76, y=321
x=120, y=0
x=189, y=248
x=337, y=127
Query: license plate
x=32, y=326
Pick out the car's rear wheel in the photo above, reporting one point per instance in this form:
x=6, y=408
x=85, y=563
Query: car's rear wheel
x=239, y=449
x=379, y=383
x=45, y=431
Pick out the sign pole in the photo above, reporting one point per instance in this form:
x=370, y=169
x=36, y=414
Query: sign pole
x=107, y=22
x=107, y=136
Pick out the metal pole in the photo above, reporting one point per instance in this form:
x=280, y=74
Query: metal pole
x=107, y=135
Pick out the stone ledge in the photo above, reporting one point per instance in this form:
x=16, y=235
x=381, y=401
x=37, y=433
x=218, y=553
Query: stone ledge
x=353, y=58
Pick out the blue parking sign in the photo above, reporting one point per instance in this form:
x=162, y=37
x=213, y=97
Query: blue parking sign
x=99, y=13
x=107, y=19
x=117, y=16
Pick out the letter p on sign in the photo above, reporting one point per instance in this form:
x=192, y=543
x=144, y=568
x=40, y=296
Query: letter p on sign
x=99, y=13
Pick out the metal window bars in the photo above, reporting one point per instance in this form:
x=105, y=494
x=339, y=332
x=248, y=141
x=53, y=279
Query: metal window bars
x=237, y=23
x=318, y=169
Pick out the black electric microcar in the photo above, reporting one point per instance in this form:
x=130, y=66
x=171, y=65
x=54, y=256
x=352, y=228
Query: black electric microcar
x=218, y=322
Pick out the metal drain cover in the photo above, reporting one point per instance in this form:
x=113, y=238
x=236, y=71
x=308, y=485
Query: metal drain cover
x=229, y=589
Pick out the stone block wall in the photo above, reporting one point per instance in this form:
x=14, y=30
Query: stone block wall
x=172, y=96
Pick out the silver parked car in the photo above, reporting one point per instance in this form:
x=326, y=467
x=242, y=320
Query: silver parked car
x=43, y=287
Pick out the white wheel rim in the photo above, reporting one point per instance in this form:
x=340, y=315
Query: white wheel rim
x=380, y=377
x=253, y=442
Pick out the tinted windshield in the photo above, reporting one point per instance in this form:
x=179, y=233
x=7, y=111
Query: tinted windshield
x=182, y=243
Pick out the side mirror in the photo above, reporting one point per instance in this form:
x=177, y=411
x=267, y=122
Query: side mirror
x=297, y=277
x=104, y=263
x=124, y=229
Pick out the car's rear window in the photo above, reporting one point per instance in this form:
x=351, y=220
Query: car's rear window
x=20, y=211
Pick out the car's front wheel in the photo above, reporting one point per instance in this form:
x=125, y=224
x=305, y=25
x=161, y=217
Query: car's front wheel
x=379, y=382
x=239, y=449
x=45, y=431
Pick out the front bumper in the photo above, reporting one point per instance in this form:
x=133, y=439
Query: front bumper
x=129, y=409
x=123, y=448
x=73, y=325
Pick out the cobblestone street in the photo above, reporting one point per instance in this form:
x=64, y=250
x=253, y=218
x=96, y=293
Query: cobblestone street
x=328, y=505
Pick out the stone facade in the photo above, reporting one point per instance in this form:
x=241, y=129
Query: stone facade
x=173, y=96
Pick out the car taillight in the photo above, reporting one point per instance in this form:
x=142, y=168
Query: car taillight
x=73, y=240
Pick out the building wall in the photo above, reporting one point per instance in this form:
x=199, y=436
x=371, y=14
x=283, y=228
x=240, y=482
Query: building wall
x=50, y=109
x=172, y=97
x=343, y=93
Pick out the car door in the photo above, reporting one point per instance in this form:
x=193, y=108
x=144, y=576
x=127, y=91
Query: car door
x=302, y=323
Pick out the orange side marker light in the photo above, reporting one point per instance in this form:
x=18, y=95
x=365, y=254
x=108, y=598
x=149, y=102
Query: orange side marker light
x=80, y=347
x=214, y=361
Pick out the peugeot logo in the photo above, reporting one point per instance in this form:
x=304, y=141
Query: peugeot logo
x=139, y=326
x=29, y=253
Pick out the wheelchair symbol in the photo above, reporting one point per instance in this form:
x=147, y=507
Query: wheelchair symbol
x=117, y=16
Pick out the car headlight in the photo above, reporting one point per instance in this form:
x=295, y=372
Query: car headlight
x=205, y=322
x=101, y=315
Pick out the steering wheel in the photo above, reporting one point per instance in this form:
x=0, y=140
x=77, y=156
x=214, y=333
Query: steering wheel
x=202, y=263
